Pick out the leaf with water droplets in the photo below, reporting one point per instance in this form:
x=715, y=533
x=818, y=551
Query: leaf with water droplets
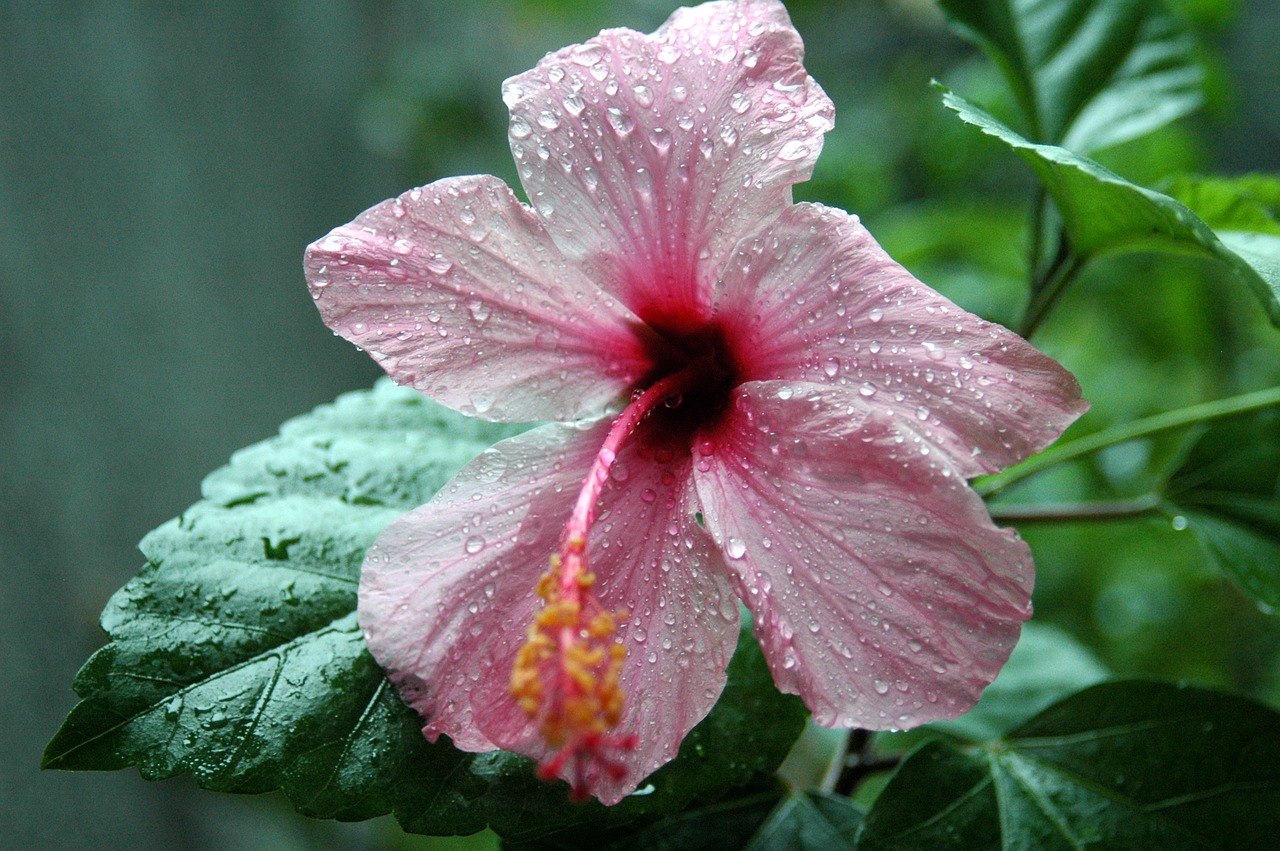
x=235, y=655
x=1118, y=765
x=1227, y=493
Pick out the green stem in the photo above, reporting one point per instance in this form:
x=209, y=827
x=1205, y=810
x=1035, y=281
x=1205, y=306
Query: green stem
x=1128, y=431
x=1076, y=511
x=1045, y=294
x=1037, y=234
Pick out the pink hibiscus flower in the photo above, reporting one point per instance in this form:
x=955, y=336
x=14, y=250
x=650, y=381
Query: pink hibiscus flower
x=748, y=400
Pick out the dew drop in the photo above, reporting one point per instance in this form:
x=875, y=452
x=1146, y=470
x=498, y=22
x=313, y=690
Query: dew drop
x=474, y=544
x=548, y=120
x=439, y=264
x=867, y=389
x=875, y=314
x=793, y=150
x=520, y=128
x=587, y=54
x=622, y=123
x=739, y=103
x=735, y=548
x=881, y=687
x=644, y=95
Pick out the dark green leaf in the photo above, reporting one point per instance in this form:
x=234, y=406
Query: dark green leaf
x=235, y=655
x=810, y=821
x=1088, y=74
x=726, y=823
x=1227, y=492
x=1047, y=665
x=1119, y=765
x=1103, y=213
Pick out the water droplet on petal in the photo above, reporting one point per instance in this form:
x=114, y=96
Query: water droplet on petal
x=548, y=119
x=793, y=150
x=739, y=103
x=474, y=544
x=622, y=123
x=586, y=54
x=867, y=389
x=736, y=548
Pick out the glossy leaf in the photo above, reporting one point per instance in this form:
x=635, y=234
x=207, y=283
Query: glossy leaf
x=1102, y=213
x=810, y=821
x=235, y=655
x=1119, y=765
x=1227, y=492
x=1087, y=74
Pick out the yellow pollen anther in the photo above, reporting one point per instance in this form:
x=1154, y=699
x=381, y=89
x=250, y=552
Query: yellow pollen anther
x=566, y=675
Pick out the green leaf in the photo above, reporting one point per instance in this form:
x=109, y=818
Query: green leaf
x=726, y=823
x=1047, y=665
x=810, y=821
x=1088, y=74
x=1227, y=492
x=1119, y=765
x=1249, y=203
x=1102, y=213
x=235, y=655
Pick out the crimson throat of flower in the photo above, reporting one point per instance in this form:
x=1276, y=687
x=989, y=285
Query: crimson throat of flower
x=566, y=675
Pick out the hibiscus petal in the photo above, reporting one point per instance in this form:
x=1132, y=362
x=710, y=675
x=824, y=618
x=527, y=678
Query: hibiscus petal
x=815, y=298
x=647, y=156
x=882, y=593
x=447, y=593
x=456, y=290
x=651, y=557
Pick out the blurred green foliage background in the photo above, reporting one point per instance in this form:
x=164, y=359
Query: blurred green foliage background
x=163, y=165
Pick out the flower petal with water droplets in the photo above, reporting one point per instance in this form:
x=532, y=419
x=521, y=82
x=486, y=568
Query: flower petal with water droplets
x=456, y=290
x=651, y=557
x=446, y=595
x=446, y=592
x=815, y=298
x=882, y=593
x=648, y=156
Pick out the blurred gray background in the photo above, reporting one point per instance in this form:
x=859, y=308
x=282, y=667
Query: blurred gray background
x=163, y=165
